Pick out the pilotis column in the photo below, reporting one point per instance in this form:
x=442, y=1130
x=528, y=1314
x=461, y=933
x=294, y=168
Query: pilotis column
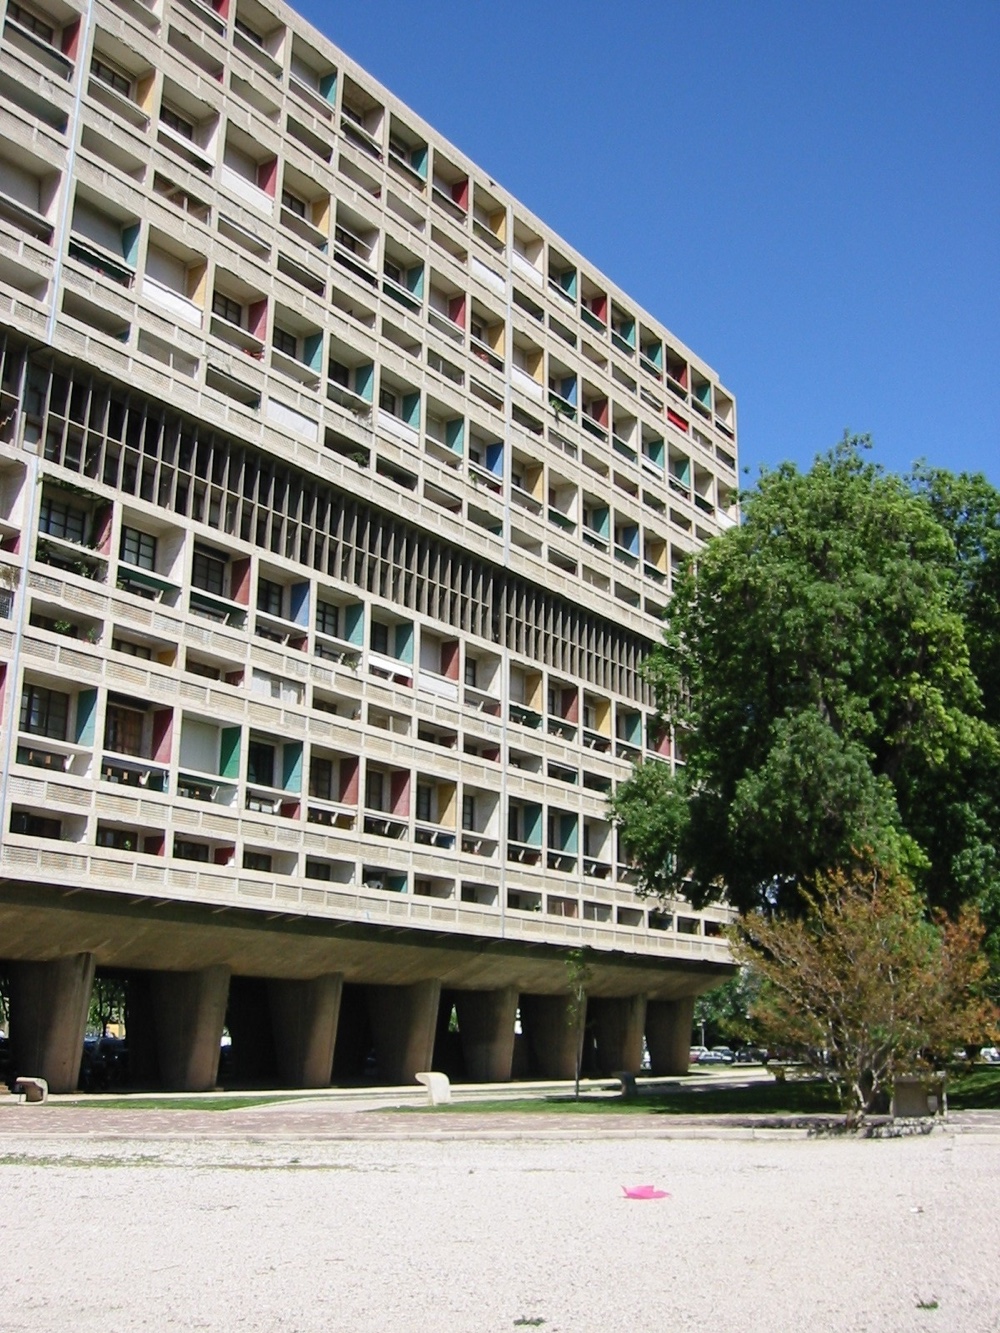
x=403, y=1020
x=304, y=1018
x=48, y=1018
x=248, y=1017
x=552, y=1033
x=668, y=1034
x=618, y=1028
x=189, y=1009
x=486, y=1029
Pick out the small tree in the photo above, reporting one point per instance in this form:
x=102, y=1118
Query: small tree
x=863, y=984
x=578, y=972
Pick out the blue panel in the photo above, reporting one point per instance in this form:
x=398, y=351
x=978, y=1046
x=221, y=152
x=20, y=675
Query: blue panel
x=300, y=603
x=312, y=348
x=494, y=458
x=411, y=409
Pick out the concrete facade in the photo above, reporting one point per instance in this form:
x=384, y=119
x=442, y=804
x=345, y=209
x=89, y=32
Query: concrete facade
x=339, y=503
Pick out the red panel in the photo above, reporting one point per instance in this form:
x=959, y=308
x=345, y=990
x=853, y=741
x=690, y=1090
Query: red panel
x=460, y=193
x=241, y=582
x=350, y=780
x=676, y=420
x=163, y=731
x=449, y=660
x=267, y=176
x=400, y=794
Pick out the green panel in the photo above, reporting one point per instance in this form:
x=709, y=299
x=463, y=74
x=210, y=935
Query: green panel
x=418, y=160
x=567, y=281
x=454, y=434
x=328, y=87
x=569, y=833
x=533, y=825
x=86, y=717
x=654, y=352
x=312, y=348
x=354, y=624
x=291, y=766
x=229, y=752
x=602, y=522
x=654, y=451
x=415, y=280
x=404, y=642
x=681, y=468
x=411, y=409
x=130, y=244
x=364, y=381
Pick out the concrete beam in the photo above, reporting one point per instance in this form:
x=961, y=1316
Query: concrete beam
x=48, y=1018
x=403, y=1021
x=189, y=1010
x=668, y=1034
x=486, y=1030
x=618, y=1027
x=552, y=1033
x=304, y=1018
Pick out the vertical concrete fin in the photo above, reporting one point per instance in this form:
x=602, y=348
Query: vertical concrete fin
x=49, y=1003
x=486, y=1030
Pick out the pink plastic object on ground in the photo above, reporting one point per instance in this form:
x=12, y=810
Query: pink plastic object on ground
x=644, y=1192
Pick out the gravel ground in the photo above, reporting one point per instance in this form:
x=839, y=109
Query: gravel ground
x=299, y=1219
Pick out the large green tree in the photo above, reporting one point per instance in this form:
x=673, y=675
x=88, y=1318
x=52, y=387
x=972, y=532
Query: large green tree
x=831, y=668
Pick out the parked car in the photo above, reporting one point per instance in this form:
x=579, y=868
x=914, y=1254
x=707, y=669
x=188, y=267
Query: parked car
x=696, y=1053
x=713, y=1058
x=990, y=1054
x=726, y=1052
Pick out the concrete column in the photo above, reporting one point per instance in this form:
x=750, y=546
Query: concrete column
x=304, y=1020
x=486, y=1029
x=618, y=1027
x=189, y=1009
x=552, y=1036
x=403, y=1020
x=140, y=1033
x=668, y=1034
x=354, y=1035
x=248, y=1017
x=48, y=1018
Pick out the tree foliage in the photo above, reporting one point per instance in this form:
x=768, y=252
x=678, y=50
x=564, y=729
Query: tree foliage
x=862, y=984
x=832, y=666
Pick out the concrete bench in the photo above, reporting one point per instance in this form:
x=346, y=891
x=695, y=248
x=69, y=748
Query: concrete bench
x=438, y=1088
x=31, y=1089
x=629, y=1089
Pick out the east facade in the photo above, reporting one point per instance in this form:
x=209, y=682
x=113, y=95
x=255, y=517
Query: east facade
x=340, y=501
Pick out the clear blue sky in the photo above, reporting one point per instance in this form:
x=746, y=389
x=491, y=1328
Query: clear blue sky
x=806, y=194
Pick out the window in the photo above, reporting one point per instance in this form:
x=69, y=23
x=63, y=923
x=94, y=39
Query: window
x=190, y=851
x=380, y=638
x=58, y=518
x=269, y=597
x=121, y=839
x=514, y=824
x=321, y=779
x=260, y=763
x=34, y=826
x=250, y=33
x=471, y=671
x=286, y=342
x=393, y=272
x=328, y=618
x=123, y=730
x=374, y=790
x=388, y=401
x=425, y=802
x=339, y=373
x=138, y=548
x=132, y=649
x=176, y=122
x=293, y=203
x=226, y=308
x=468, y=812
x=208, y=572
x=114, y=78
x=30, y=21
x=345, y=238
x=44, y=712
x=256, y=861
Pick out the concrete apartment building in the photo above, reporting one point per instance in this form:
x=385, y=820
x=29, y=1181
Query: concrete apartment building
x=339, y=503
